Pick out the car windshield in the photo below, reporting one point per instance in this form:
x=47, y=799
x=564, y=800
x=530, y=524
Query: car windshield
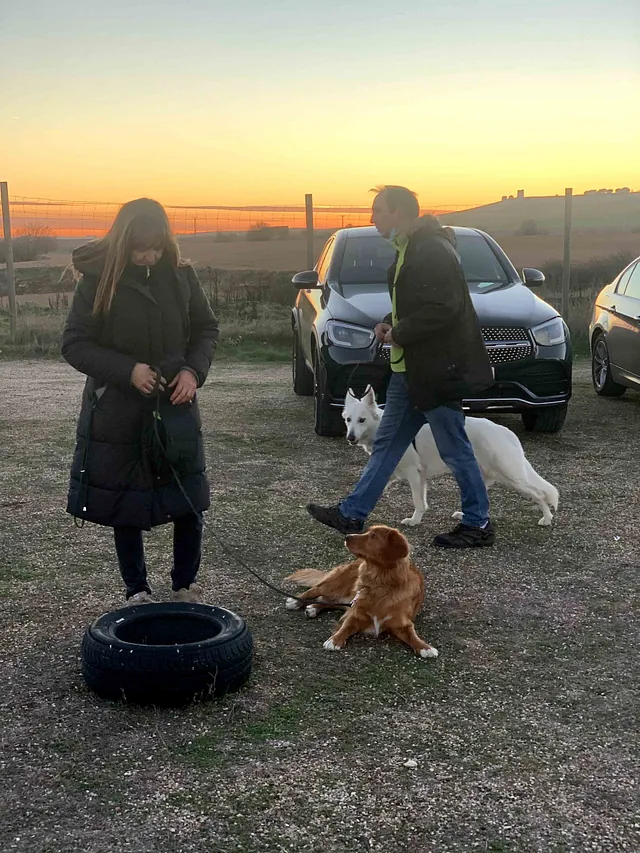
x=367, y=259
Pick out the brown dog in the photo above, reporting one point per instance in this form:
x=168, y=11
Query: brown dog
x=382, y=585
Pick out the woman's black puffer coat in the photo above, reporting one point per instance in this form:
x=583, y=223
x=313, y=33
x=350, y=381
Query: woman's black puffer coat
x=120, y=476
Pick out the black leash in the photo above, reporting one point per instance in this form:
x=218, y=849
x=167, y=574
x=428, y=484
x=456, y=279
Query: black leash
x=223, y=547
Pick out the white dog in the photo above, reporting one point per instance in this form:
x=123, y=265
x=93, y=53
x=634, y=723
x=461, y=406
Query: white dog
x=497, y=449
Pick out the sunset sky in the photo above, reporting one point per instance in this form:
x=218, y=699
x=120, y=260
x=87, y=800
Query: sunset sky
x=260, y=101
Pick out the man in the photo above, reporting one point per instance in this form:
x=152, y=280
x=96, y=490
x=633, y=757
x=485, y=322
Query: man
x=437, y=358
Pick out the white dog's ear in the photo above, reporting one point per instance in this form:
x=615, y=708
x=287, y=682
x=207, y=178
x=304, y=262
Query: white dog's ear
x=351, y=394
x=369, y=396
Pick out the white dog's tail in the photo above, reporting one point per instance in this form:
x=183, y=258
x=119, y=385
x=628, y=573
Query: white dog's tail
x=307, y=577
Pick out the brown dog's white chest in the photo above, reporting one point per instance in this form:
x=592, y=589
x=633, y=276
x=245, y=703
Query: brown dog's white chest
x=361, y=602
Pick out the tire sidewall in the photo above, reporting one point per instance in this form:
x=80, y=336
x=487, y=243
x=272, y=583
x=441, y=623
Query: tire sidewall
x=166, y=675
x=103, y=630
x=301, y=377
x=600, y=341
x=549, y=420
x=327, y=421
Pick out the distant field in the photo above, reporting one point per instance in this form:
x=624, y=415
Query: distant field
x=291, y=254
x=617, y=212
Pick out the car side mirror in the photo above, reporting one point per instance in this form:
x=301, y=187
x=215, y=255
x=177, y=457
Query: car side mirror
x=532, y=278
x=305, y=280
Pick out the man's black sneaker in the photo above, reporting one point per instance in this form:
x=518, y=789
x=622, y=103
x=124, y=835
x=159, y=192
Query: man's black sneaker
x=332, y=517
x=467, y=537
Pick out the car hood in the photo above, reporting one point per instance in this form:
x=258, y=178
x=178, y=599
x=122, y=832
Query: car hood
x=363, y=305
x=511, y=305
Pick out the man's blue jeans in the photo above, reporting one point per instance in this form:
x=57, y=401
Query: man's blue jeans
x=399, y=425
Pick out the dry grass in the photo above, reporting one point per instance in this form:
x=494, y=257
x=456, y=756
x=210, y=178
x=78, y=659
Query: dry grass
x=536, y=251
x=522, y=730
x=250, y=331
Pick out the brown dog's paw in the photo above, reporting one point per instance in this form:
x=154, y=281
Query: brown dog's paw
x=331, y=646
x=429, y=652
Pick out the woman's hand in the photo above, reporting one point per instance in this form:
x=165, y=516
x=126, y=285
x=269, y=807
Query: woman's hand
x=144, y=378
x=388, y=337
x=185, y=385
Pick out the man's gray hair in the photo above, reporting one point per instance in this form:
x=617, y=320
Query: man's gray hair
x=399, y=198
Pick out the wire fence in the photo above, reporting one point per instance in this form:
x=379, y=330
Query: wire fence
x=243, y=252
x=85, y=219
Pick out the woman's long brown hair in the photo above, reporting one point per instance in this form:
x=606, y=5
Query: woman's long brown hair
x=139, y=224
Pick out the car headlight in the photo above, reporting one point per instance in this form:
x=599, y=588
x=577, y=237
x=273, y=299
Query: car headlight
x=550, y=333
x=345, y=335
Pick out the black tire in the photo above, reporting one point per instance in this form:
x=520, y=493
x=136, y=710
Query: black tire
x=166, y=654
x=327, y=420
x=545, y=420
x=603, y=384
x=301, y=375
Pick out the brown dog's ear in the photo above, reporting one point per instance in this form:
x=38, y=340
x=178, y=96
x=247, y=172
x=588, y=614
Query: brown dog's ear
x=397, y=546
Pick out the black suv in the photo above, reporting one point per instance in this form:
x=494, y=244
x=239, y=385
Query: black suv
x=341, y=300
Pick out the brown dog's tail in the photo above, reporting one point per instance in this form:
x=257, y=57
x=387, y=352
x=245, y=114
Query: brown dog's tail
x=307, y=577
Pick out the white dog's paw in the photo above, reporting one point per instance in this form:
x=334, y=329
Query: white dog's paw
x=330, y=645
x=545, y=522
x=412, y=521
x=429, y=653
x=311, y=611
x=457, y=516
x=292, y=604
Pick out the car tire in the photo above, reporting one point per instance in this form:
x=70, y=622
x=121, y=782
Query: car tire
x=166, y=654
x=327, y=420
x=603, y=384
x=545, y=420
x=301, y=375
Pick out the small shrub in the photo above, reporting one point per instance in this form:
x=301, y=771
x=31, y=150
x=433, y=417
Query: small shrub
x=528, y=228
x=589, y=276
x=30, y=243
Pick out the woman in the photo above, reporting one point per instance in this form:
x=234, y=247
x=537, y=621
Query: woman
x=141, y=329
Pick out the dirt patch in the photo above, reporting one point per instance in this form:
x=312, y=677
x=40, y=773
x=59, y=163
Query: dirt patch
x=522, y=732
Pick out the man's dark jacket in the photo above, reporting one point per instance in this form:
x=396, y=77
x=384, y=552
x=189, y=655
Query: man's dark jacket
x=445, y=356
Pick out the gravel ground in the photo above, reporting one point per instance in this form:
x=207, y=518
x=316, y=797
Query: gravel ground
x=521, y=736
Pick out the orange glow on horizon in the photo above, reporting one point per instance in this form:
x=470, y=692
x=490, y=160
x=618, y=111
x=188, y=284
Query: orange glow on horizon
x=90, y=219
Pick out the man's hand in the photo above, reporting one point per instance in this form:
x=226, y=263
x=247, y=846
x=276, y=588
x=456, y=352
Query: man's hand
x=185, y=385
x=388, y=339
x=144, y=378
x=381, y=330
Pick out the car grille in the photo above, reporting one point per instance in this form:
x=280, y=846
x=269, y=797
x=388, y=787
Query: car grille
x=506, y=343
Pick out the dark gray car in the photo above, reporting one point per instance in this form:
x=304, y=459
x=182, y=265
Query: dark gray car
x=614, y=334
x=341, y=300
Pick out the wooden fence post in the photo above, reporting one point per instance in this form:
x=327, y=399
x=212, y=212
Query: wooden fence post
x=566, y=263
x=308, y=203
x=8, y=257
